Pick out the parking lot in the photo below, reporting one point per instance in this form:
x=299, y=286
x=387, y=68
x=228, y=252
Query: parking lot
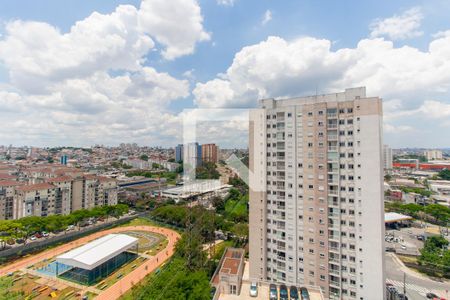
x=405, y=240
x=39, y=236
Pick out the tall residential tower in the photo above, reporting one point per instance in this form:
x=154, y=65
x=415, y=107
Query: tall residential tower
x=316, y=194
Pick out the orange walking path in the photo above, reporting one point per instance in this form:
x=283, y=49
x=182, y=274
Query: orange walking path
x=127, y=282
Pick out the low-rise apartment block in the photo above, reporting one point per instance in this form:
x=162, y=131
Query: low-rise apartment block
x=52, y=189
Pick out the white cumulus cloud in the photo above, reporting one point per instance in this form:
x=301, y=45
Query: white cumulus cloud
x=92, y=84
x=399, y=27
x=225, y=2
x=267, y=17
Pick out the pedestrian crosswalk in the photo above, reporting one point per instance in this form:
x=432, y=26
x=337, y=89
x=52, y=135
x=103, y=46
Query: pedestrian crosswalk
x=413, y=287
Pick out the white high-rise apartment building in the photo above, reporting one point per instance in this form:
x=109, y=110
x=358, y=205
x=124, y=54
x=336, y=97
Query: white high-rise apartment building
x=433, y=154
x=387, y=157
x=318, y=221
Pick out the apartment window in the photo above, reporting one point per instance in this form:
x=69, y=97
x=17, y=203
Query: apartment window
x=320, y=112
x=350, y=121
x=350, y=144
x=310, y=113
x=350, y=132
x=341, y=122
x=322, y=277
x=350, y=110
x=341, y=132
x=341, y=111
x=233, y=289
x=289, y=115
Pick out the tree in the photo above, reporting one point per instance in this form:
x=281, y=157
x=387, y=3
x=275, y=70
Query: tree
x=144, y=157
x=444, y=174
x=6, y=283
x=190, y=248
x=240, y=230
x=175, y=281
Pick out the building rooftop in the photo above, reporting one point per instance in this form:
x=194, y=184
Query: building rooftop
x=391, y=217
x=35, y=187
x=97, y=252
x=7, y=176
x=11, y=183
x=232, y=260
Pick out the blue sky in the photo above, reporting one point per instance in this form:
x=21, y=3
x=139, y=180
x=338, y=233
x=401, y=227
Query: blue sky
x=54, y=81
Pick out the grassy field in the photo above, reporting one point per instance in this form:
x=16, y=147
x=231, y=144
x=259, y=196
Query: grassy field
x=140, y=222
x=219, y=249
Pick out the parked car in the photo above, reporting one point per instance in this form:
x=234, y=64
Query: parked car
x=38, y=235
x=253, y=289
x=304, y=293
x=293, y=293
x=432, y=296
x=273, y=292
x=421, y=237
x=20, y=241
x=33, y=238
x=283, y=292
x=70, y=227
x=45, y=234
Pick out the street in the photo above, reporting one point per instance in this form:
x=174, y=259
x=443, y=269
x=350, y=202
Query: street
x=417, y=285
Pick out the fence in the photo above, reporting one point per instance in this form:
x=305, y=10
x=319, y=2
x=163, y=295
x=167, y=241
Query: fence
x=18, y=251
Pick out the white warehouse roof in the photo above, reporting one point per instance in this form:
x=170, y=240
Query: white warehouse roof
x=98, y=251
x=391, y=217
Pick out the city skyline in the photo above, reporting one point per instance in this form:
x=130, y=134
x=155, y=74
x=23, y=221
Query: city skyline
x=131, y=77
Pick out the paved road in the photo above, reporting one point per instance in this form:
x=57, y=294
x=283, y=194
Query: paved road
x=417, y=285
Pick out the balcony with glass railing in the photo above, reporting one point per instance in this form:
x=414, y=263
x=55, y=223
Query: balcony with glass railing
x=332, y=156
